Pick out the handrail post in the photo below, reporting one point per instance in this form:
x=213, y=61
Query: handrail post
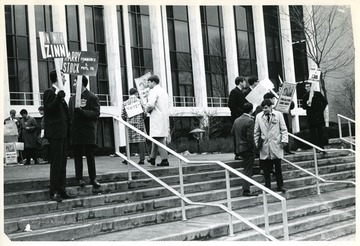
x=181, y=178
x=266, y=213
x=316, y=172
x=128, y=152
x=340, y=130
x=228, y=195
x=285, y=220
x=350, y=134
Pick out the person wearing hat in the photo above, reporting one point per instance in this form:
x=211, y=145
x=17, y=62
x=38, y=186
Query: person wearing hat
x=57, y=132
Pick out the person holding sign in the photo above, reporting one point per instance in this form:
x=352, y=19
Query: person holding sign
x=315, y=103
x=83, y=129
x=158, y=108
x=56, y=118
x=133, y=112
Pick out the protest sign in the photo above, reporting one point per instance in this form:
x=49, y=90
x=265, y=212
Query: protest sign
x=256, y=96
x=143, y=87
x=286, y=94
x=81, y=63
x=10, y=153
x=52, y=45
x=134, y=109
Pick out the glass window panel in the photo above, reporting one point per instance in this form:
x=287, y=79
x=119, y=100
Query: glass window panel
x=89, y=24
x=172, y=34
x=91, y=47
x=212, y=15
x=184, y=61
x=180, y=13
x=240, y=18
x=24, y=76
x=245, y=67
x=99, y=25
x=20, y=20
x=72, y=22
x=249, y=18
x=190, y=91
x=120, y=26
x=173, y=60
x=122, y=57
x=135, y=56
x=144, y=9
x=270, y=48
x=12, y=67
x=102, y=53
x=252, y=46
x=214, y=41
x=182, y=36
x=10, y=42
x=48, y=18
x=145, y=31
x=147, y=58
x=93, y=83
x=243, y=44
x=23, y=47
x=185, y=78
x=182, y=91
x=170, y=11
x=9, y=19
x=43, y=75
x=39, y=19
x=74, y=46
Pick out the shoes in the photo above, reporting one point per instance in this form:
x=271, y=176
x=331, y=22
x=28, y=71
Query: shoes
x=163, y=163
x=81, y=183
x=125, y=162
x=151, y=161
x=141, y=162
x=56, y=197
x=237, y=157
x=95, y=183
x=66, y=195
x=36, y=161
x=282, y=189
x=248, y=193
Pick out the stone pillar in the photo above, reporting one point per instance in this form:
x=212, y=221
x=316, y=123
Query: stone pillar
x=3, y=53
x=129, y=68
x=167, y=54
x=197, y=56
x=230, y=45
x=288, y=57
x=260, y=42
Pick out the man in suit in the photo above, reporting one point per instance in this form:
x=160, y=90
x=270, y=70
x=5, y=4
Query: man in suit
x=271, y=136
x=56, y=118
x=83, y=129
x=236, y=103
x=244, y=133
x=13, y=118
x=315, y=107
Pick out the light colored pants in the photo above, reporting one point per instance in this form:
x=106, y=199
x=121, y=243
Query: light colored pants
x=155, y=149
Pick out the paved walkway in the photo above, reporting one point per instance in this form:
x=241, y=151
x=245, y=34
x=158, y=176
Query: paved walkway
x=104, y=164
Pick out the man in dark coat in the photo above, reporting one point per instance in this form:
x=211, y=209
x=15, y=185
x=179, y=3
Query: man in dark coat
x=28, y=127
x=56, y=118
x=315, y=107
x=236, y=103
x=83, y=131
x=244, y=133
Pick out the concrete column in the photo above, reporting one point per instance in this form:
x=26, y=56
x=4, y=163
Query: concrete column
x=167, y=54
x=157, y=44
x=33, y=56
x=114, y=69
x=197, y=56
x=82, y=27
x=4, y=68
x=129, y=68
x=230, y=45
x=288, y=56
x=260, y=42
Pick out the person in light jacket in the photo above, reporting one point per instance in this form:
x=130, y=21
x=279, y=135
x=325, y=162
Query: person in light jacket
x=158, y=108
x=271, y=136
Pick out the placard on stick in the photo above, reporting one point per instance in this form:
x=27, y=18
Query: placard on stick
x=143, y=87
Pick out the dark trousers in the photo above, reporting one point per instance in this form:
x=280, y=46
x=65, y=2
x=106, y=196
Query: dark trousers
x=58, y=159
x=45, y=152
x=155, y=149
x=90, y=159
x=30, y=153
x=141, y=146
x=248, y=161
x=267, y=165
x=317, y=134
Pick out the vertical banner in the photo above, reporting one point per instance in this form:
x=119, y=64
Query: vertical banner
x=143, y=87
x=286, y=94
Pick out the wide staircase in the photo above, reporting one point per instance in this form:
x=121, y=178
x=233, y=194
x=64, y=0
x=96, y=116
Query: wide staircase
x=141, y=209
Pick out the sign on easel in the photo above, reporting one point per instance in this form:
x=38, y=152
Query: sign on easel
x=143, y=87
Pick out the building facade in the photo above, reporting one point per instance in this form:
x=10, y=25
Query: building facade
x=197, y=51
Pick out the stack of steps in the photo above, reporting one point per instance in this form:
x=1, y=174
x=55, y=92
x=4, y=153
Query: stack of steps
x=143, y=210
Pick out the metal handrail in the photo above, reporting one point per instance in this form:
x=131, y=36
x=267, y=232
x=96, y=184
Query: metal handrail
x=316, y=175
x=339, y=116
x=228, y=169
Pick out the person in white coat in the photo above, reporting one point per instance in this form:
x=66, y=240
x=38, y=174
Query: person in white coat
x=158, y=108
x=271, y=136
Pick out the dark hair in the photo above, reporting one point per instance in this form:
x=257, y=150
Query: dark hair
x=53, y=76
x=85, y=81
x=154, y=78
x=269, y=95
x=41, y=108
x=239, y=79
x=266, y=102
x=247, y=107
x=13, y=111
x=132, y=91
x=252, y=80
x=23, y=111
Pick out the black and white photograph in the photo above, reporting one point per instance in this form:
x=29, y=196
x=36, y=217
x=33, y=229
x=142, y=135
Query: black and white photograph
x=138, y=122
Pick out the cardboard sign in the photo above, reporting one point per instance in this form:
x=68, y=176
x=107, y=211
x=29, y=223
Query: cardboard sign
x=81, y=63
x=134, y=109
x=256, y=96
x=285, y=98
x=143, y=87
x=10, y=128
x=52, y=45
x=10, y=153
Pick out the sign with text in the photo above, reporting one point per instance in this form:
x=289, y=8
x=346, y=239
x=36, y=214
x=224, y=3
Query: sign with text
x=256, y=96
x=286, y=94
x=52, y=45
x=143, y=87
x=10, y=153
x=81, y=63
x=134, y=109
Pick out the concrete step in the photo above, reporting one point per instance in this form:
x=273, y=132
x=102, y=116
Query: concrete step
x=97, y=221
x=216, y=225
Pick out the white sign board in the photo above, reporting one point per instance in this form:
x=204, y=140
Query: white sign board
x=256, y=96
x=143, y=87
x=134, y=109
x=10, y=153
x=286, y=94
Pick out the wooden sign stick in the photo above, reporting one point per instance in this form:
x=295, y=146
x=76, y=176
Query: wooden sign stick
x=78, y=91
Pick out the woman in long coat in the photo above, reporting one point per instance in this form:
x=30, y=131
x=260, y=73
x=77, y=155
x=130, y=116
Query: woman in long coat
x=271, y=136
x=28, y=127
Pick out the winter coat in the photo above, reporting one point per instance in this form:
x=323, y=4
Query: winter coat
x=270, y=134
x=315, y=112
x=28, y=136
x=159, y=115
x=83, y=122
x=244, y=134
